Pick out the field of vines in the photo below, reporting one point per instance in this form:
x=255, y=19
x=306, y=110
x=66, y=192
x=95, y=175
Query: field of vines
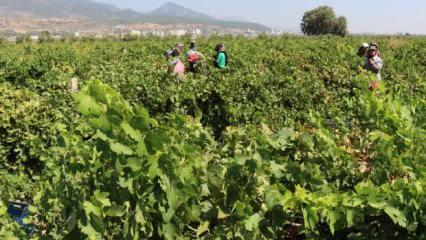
x=287, y=142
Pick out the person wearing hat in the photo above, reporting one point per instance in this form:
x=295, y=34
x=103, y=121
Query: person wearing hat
x=179, y=67
x=175, y=51
x=377, y=46
x=179, y=47
x=363, y=49
x=373, y=62
x=176, y=65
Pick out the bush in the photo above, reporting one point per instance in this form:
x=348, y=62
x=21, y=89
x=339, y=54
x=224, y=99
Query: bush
x=25, y=129
x=23, y=38
x=45, y=36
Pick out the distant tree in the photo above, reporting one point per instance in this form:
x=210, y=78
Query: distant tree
x=129, y=37
x=323, y=20
x=89, y=38
x=68, y=37
x=23, y=38
x=45, y=36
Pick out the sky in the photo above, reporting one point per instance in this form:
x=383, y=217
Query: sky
x=364, y=16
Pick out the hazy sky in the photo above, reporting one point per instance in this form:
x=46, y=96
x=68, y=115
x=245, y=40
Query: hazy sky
x=379, y=16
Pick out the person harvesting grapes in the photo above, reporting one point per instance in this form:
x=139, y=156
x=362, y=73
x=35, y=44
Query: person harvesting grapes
x=377, y=46
x=221, y=57
x=194, y=57
x=363, y=49
x=374, y=64
x=176, y=63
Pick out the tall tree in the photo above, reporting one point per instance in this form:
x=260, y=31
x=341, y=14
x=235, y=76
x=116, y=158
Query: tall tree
x=45, y=36
x=323, y=20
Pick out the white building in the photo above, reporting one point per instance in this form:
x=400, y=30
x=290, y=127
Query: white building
x=135, y=33
x=178, y=32
x=158, y=33
x=34, y=38
x=250, y=33
x=11, y=39
x=196, y=32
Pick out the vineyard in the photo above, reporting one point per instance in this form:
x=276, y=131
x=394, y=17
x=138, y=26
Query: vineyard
x=287, y=142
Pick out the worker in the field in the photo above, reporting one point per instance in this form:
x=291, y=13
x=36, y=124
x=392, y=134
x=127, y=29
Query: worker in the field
x=378, y=49
x=363, y=49
x=374, y=63
x=221, y=57
x=178, y=67
x=194, y=57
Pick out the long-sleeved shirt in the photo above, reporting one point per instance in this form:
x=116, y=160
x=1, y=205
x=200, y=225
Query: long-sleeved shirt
x=221, y=60
x=376, y=66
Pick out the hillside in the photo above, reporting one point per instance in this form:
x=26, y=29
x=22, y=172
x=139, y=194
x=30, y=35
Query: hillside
x=65, y=9
x=106, y=14
x=174, y=10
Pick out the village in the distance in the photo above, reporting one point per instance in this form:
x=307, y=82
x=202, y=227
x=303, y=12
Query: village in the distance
x=50, y=20
x=134, y=31
x=30, y=20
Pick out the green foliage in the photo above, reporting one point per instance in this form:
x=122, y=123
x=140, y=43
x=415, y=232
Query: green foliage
x=323, y=20
x=8, y=229
x=341, y=27
x=289, y=145
x=23, y=38
x=45, y=36
x=25, y=129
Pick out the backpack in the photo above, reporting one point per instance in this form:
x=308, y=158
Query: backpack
x=226, y=58
x=193, y=57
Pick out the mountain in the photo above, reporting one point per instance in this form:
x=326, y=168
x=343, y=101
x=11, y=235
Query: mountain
x=173, y=10
x=234, y=18
x=88, y=11
x=174, y=13
x=85, y=9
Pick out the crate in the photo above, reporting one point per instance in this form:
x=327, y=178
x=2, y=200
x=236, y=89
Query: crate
x=19, y=211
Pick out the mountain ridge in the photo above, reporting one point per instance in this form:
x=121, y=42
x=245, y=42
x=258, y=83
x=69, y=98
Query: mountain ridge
x=168, y=14
x=175, y=10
